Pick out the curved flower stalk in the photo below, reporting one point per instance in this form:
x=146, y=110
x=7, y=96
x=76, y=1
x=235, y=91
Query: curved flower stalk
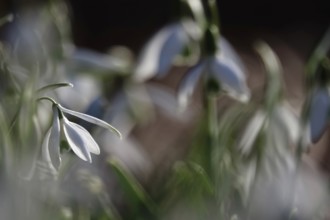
x=224, y=68
x=77, y=137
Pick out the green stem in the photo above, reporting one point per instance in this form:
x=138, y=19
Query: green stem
x=108, y=207
x=318, y=54
x=212, y=29
x=47, y=98
x=213, y=129
x=211, y=12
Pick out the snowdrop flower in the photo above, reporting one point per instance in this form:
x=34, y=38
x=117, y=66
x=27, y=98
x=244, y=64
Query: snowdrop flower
x=159, y=53
x=224, y=67
x=279, y=130
x=318, y=114
x=281, y=127
x=77, y=137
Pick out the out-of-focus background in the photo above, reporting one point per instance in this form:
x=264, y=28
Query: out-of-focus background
x=291, y=28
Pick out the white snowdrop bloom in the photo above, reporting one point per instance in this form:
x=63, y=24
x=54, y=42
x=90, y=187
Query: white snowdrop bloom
x=319, y=113
x=225, y=68
x=77, y=137
x=159, y=53
x=281, y=127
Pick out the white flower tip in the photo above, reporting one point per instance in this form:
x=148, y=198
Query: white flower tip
x=182, y=102
x=70, y=84
x=120, y=136
x=245, y=97
x=114, y=130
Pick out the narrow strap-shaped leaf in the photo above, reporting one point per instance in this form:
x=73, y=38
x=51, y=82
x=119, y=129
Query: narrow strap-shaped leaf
x=53, y=86
x=273, y=69
x=133, y=189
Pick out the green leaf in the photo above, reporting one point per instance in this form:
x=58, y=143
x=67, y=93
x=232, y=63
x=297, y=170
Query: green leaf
x=53, y=86
x=193, y=175
x=131, y=186
x=273, y=70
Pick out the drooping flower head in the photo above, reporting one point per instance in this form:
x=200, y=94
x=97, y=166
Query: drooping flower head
x=163, y=48
x=78, y=138
x=224, y=68
x=272, y=131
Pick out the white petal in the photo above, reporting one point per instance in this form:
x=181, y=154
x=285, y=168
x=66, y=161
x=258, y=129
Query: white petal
x=89, y=141
x=45, y=153
x=318, y=118
x=76, y=140
x=171, y=48
x=91, y=119
x=278, y=140
x=189, y=82
x=287, y=122
x=248, y=177
x=252, y=131
x=231, y=78
x=159, y=52
x=54, y=139
x=226, y=51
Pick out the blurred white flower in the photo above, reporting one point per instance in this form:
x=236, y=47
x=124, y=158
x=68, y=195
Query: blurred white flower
x=319, y=113
x=225, y=68
x=278, y=130
x=281, y=125
x=77, y=137
x=298, y=195
x=159, y=53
